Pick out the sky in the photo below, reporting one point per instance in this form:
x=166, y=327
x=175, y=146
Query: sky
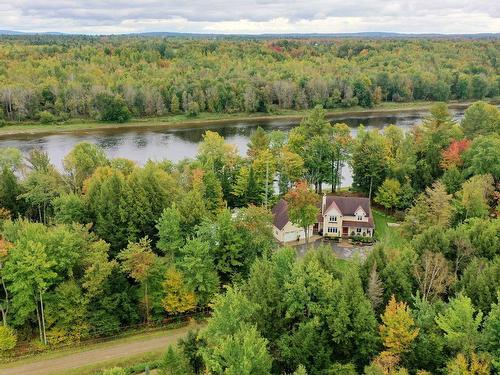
x=251, y=16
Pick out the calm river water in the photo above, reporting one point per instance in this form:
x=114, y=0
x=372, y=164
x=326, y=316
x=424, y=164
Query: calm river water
x=156, y=143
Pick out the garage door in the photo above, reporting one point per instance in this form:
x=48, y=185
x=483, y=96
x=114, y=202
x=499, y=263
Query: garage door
x=291, y=236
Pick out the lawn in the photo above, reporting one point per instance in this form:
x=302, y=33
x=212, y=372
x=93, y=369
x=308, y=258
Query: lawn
x=389, y=236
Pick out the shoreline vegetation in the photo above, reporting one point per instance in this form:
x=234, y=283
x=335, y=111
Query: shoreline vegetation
x=183, y=121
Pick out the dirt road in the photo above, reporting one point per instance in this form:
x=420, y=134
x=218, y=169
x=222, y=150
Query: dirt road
x=93, y=356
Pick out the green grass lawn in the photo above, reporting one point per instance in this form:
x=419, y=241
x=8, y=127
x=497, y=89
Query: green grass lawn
x=388, y=236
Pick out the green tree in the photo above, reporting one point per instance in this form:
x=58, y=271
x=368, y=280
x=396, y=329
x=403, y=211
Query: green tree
x=259, y=141
x=460, y=324
x=491, y=332
x=226, y=245
x=353, y=324
x=169, y=231
x=111, y=108
x=483, y=156
x=81, y=162
x=67, y=314
x=69, y=208
x=137, y=260
x=362, y=90
x=10, y=189
x=30, y=273
x=480, y=119
x=369, y=161
x=431, y=208
x=174, y=362
x=244, y=353
x=388, y=194
x=480, y=281
x=475, y=195
x=212, y=192
x=198, y=268
x=107, y=200
x=234, y=346
x=428, y=350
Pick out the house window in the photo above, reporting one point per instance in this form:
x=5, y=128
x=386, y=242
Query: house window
x=333, y=219
x=360, y=217
x=358, y=230
x=332, y=230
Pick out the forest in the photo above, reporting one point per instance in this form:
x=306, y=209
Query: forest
x=54, y=79
x=104, y=244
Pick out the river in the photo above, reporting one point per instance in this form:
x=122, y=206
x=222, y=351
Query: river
x=157, y=143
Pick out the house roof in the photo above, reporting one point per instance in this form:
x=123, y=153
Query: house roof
x=358, y=224
x=348, y=205
x=280, y=214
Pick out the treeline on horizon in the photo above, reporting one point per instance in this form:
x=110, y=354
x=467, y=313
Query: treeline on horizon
x=56, y=78
x=105, y=244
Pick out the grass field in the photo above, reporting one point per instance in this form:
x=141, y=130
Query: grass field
x=389, y=236
x=182, y=120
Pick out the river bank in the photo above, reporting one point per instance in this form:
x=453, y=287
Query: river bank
x=208, y=119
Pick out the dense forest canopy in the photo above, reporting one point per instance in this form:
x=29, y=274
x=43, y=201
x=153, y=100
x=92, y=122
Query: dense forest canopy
x=105, y=244
x=54, y=78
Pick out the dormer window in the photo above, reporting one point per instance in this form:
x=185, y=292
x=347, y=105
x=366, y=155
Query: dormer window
x=360, y=217
x=333, y=219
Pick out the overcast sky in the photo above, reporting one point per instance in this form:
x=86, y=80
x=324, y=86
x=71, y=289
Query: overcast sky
x=254, y=17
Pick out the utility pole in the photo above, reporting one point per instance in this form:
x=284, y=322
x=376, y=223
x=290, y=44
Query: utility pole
x=371, y=183
x=267, y=179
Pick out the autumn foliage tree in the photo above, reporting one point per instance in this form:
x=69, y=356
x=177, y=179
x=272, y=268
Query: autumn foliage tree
x=137, y=260
x=452, y=156
x=302, y=207
x=397, y=329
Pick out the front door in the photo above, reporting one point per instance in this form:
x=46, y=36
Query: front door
x=345, y=231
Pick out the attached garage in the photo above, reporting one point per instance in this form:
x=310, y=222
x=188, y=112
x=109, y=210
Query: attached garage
x=293, y=235
x=284, y=230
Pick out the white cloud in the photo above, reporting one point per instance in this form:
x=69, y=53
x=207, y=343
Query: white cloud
x=255, y=17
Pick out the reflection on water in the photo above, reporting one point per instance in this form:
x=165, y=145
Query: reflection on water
x=158, y=144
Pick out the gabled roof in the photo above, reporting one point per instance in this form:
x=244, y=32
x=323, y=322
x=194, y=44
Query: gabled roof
x=348, y=205
x=280, y=214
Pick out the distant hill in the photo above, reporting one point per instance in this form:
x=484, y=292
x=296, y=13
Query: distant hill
x=13, y=32
x=367, y=35
x=10, y=32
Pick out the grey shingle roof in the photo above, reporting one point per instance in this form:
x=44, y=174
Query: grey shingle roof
x=280, y=214
x=346, y=205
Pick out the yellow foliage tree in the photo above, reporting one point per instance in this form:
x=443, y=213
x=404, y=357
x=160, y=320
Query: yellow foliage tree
x=178, y=298
x=476, y=365
x=398, y=329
